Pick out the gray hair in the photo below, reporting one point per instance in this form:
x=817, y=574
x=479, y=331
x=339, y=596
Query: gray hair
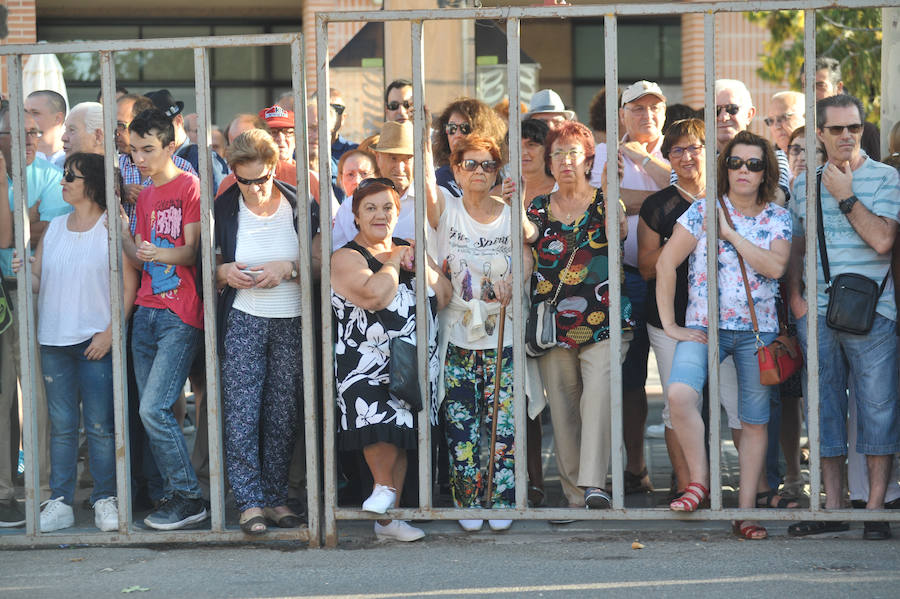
x=91, y=112
x=738, y=88
x=794, y=98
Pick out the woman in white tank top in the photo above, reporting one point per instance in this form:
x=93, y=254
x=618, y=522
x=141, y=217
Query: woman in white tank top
x=70, y=272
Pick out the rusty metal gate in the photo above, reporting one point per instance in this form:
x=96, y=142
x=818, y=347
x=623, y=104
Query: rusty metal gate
x=323, y=505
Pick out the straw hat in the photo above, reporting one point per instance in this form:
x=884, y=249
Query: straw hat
x=395, y=138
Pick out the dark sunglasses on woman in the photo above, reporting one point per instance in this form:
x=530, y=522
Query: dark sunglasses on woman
x=70, y=177
x=464, y=128
x=257, y=181
x=488, y=166
x=754, y=165
x=380, y=180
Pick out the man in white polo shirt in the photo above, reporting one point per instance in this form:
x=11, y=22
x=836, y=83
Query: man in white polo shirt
x=645, y=171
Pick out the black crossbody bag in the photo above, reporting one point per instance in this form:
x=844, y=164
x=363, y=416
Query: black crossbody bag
x=852, y=298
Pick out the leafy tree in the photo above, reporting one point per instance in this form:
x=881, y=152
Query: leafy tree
x=852, y=37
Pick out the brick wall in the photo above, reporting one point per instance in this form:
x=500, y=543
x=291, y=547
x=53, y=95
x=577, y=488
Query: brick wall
x=21, y=29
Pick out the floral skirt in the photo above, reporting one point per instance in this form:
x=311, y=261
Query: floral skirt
x=368, y=415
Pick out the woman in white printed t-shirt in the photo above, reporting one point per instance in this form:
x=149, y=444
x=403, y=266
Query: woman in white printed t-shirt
x=473, y=247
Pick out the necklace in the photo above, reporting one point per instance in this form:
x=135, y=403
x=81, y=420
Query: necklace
x=686, y=192
x=572, y=213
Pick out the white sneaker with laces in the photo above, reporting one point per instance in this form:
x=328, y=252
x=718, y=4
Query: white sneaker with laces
x=398, y=530
x=56, y=515
x=381, y=500
x=471, y=525
x=106, y=514
x=500, y=524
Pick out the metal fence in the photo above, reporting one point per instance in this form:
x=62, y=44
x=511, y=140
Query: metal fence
x=324, y=505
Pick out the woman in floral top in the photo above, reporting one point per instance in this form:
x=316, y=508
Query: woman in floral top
x=576, y=372
x=747, y=179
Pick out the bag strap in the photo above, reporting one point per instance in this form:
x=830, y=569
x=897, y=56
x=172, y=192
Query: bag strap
x=576, y=244
x=823, y=250
x=759, y=343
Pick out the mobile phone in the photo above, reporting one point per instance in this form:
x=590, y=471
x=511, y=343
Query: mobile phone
x=252, y=273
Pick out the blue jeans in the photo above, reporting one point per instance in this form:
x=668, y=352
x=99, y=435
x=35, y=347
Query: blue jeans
x=634, y=369
x=868, y=364
x=689, y=366
x=163, y=347
x=68, y=375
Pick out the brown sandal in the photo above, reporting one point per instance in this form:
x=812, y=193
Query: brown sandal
x=253, y=525
x=285, y=520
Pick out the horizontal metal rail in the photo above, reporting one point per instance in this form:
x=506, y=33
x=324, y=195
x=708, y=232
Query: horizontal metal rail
x=163, y=43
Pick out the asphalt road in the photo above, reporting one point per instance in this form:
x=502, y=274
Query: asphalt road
x=531, y=560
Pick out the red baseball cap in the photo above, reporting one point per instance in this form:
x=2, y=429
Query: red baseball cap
x=276, y=117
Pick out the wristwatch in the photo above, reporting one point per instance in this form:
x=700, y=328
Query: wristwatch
x=294, y=273
x=846, y=206
x=645, y=161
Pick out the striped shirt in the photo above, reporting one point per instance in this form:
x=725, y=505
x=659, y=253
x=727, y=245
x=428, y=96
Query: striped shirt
x=878, y=188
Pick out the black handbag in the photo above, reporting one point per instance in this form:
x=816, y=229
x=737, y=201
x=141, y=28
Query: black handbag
x=404, y=367
x=852, y=298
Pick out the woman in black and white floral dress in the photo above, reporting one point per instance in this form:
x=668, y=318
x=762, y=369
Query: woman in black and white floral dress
x=374, y=299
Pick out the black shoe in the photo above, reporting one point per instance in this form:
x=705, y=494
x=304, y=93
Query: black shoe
x=876, y=531
x=177, y=512
x=11, y=514
x=815, y=527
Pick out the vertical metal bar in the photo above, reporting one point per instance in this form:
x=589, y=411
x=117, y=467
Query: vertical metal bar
x=328, y=399
x=812, y=287
x=611, y=49
x=307, y=330
x=420, y=138
x=520, y=405
x=207, y=247
x=116, y=294
x=712, y=263
x=25, y=304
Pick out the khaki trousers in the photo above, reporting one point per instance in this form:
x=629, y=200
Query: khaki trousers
x=9, y=376
x=577, y=386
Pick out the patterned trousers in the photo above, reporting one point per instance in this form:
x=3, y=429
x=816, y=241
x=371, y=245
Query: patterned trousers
x=260, y=380
x=468, y=404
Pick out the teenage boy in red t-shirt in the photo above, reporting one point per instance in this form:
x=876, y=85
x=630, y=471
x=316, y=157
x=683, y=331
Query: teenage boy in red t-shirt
x=168, y=323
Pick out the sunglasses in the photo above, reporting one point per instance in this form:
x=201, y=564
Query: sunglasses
x=70, y=177
x=407, y=104
x=731, y=109
x=778, y=120
x=488, y=166
x=257, y=181
x=379, y=180
x=838, y=129
x=451, y=128
x=754, y=165
x=796, y=149
x=338, y=108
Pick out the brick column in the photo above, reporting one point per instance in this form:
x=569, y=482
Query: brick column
x=21, y=25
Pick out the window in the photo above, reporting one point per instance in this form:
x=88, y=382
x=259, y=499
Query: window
x=243, y=79
x=648, y=49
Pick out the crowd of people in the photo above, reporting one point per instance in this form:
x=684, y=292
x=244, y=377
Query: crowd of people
x=759, y=206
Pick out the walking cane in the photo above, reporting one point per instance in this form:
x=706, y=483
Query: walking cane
x=490, y=486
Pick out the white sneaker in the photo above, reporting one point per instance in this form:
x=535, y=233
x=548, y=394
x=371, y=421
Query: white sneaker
x=106, y=514
x=471, y=525
x=500, y=524
x=398, y=530
x=56, y=515
x=381, y=500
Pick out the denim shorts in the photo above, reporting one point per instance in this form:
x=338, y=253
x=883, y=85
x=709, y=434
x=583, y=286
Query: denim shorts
x=690, y=368
x=868, y=365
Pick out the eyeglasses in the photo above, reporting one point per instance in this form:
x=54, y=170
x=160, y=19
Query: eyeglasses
x=678, y=151
x=379, y=180
x=839, y=129
x=488, y=166
x=35, y=133
x=407, y=104
x=754, y=165
x=257, y=181
x=572, y=155
x=340, y=108
x=70, y=177
x=731, y=109
x=451, y=128
x=287, y=132
x=121, y=125
x=796, y=149
x=778, y=120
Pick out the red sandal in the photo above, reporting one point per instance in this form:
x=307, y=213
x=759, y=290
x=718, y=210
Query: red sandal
x=751, y=532
x=692, y=498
